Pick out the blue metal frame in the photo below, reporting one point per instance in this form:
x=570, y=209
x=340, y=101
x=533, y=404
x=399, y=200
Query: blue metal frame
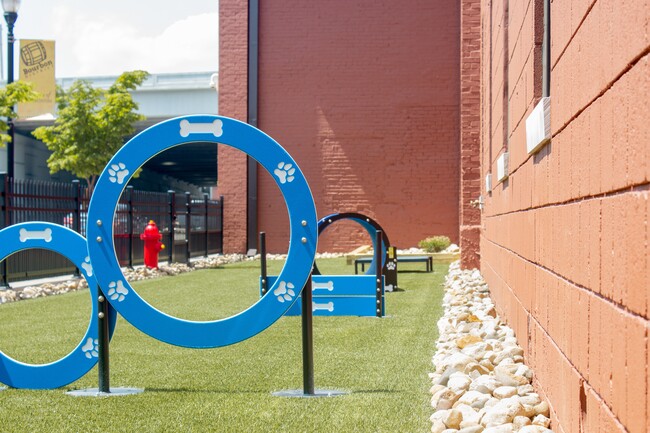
x=71, y=245
x=302, y=221
x=347, y=295
x=371, y=226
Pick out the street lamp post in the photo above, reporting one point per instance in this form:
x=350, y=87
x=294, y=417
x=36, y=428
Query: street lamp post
x=11, y=15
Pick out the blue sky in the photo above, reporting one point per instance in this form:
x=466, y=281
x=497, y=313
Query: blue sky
x=109, y=37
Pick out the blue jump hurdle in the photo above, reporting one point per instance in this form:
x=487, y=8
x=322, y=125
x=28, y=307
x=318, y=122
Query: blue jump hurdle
x=343, y=295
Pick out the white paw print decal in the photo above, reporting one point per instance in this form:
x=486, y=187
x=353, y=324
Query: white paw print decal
x=390, y=266
x=91, y=348
x=117, y=291
x=284, y=292
x=285, y=172
x=87, y=267
x=117, y=173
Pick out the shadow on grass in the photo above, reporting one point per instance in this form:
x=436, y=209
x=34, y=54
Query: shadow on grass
x=228, y=391
x=205, y=391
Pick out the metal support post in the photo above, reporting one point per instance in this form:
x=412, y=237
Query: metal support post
x=221, y=219
x=188, y=226
x=103, y=365
x=307, y=340
x=378, y=271
x=205, y=222
x=171, y=201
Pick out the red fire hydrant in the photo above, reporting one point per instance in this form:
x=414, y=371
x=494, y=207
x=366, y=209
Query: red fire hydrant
x=152, y=244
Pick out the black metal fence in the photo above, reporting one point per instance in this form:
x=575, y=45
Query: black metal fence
x=67, y=204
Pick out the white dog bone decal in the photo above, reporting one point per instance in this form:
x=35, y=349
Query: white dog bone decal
x=323, y=286
x=215, y=128
x=325, y=307
x=43, y=235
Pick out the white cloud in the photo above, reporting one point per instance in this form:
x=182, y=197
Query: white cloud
x=93, y=45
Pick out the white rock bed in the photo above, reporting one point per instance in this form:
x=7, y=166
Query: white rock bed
x=137, y=274
x=480, y=383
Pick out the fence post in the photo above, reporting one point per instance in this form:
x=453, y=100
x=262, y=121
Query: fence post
x=4, y=222
x=129, y=225
x=188, y=225
x=171, y=201
x=205, y=225
x=221, y=222
x=76, y=225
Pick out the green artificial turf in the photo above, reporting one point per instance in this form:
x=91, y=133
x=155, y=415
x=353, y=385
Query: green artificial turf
x=381, y=363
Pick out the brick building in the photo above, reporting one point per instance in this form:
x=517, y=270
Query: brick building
x=564, y=239
x=409, y=111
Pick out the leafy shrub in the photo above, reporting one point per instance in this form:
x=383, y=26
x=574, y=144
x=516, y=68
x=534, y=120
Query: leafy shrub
x=434, y=244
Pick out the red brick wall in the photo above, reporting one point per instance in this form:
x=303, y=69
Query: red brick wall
x=564, y=243
x=470, y=168
x=233, y=79
x=365, y=96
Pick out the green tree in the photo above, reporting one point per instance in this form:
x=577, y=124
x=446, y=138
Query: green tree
x=91, y=126
x=10, y=96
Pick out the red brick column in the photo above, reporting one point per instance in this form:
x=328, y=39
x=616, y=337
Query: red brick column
x=233, y=78
x=470, y=170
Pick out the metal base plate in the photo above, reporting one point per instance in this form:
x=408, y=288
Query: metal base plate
x=115, y=392
x=317, y=393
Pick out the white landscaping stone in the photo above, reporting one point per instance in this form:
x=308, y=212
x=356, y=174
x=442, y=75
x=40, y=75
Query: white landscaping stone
x=453, y=419
x=459, y=382
x=474, y=399
x=470, y=415
x=541, y=420
x=438, y=426
x=485, y=384
x=505, y=428
x=505, y=391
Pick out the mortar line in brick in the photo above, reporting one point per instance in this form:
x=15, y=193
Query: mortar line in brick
x=559, y=350
x=623, y=308
x=521, y=74
x=566, y=47
x=603, y=404
x=609, y=85
x=521, y=27
x=641, y=187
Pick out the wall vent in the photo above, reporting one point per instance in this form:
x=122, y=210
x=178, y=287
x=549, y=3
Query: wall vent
x=538, y=126
x=502, y=167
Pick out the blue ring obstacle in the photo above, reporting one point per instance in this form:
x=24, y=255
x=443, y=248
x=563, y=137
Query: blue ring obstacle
x=71, y=245
x=302, y=221
x=371, y=226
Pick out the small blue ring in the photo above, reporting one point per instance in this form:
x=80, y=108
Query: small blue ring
x=66, y=370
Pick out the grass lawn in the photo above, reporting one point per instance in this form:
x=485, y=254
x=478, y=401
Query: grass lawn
x=382, y=363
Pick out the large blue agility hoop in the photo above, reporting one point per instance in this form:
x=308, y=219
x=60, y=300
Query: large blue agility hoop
x=302, y=221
